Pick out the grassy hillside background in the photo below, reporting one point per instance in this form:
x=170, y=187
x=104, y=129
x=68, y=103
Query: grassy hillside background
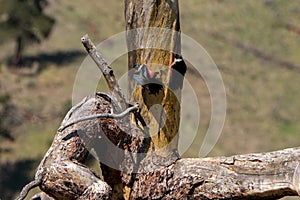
x=255, y=44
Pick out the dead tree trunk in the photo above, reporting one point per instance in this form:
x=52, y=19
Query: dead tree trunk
x=153, y=38
x=149, y=167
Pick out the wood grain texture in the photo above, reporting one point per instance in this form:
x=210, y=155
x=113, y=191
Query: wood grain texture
x=107, y=72
x=269, y=175
x=153, y=35
x=135, y=169
x=63, y=175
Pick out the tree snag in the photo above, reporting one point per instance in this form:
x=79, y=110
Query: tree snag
x=143, y=165
x=153, y=38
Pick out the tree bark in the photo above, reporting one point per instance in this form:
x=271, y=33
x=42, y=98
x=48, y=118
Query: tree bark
x=63, y=175
x=152, y=39
x=252, y=176
x=149, y=167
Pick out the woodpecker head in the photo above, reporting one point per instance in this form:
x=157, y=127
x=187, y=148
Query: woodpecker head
x=177, y=71
x=143, y=75
x=147, y=78
x=177, y=59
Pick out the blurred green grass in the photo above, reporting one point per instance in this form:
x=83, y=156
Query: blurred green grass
x=263, y=107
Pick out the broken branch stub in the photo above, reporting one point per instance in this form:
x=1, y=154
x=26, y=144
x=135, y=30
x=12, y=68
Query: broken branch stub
x=107, y=72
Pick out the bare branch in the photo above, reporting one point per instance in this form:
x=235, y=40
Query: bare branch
x=106, y=70
x=28, y=187
x=106, y=115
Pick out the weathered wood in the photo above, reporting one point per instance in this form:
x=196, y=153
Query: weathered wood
x=111, y=171
x=62, y=173
x=253, y=176
x=41, y=196
x=107, y=72
x=106, y=115
x=146, y=175
x=152, y=38
x=28, y=187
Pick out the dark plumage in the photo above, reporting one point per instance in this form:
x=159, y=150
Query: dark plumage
x=177, y=71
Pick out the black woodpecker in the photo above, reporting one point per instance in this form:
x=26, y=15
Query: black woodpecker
x=177, y=71
x=148, y=79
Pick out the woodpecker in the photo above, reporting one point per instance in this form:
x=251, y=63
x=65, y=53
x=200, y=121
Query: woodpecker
x=147, y=78
x=143, y=75
x=176, y=72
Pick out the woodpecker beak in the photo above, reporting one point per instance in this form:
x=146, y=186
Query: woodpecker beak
x=176, y=60
x=152, y=74
x=173, y=63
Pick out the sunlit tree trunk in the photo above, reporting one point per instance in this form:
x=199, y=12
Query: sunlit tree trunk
x=152, y=37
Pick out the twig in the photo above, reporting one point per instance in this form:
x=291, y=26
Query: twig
x=106, y=115
x=28, y=187
x=137, y=114
x=106, y=71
